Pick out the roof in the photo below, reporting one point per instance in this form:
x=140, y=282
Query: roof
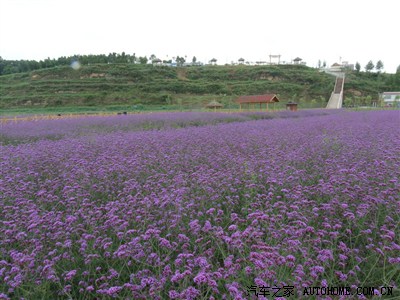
x=391, y=93
x=267, y=98
x=214, y=104
x=297, y=59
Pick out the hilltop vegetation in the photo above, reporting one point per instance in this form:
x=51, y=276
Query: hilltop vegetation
x=140, y=85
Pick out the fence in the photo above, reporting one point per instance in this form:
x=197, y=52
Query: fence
x=50, y=117
x=39, y=117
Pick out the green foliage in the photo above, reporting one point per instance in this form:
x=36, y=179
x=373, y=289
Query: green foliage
x=143, y=60
x=379, y=65
x=152, y=57
x=370, y=66
x=19, y=66
x=180, y=61
x=358, y=67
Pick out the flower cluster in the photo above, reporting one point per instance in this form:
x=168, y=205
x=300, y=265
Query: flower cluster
x=199, y=212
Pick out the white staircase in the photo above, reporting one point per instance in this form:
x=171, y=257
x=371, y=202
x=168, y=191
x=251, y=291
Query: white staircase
x=336, y=99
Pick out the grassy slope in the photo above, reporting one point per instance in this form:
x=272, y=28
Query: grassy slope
x=120, y=85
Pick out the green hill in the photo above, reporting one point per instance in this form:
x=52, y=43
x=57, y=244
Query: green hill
x=104, y=86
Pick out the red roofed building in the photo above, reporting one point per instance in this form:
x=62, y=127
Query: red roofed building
x=257, y=99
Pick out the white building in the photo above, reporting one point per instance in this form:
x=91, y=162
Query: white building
x=391, y=98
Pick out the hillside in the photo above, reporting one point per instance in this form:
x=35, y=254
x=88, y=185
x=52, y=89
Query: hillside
x=136, y=85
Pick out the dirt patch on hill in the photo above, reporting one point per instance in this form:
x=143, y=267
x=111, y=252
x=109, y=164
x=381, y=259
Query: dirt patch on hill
x=97, y=75
x=269, y=77
x=94, y=75
x=181, y=74
x=354, y=92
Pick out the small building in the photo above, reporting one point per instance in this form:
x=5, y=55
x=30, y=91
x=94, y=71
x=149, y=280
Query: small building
x=213, y=61
x=241, y=61
x=344, y=66
x=255, y=101
x=390, y=98
x=292, y=106
x=214, y=105
x=297, y=61
x=274, y=59
x=156, y=61
x=347, y=66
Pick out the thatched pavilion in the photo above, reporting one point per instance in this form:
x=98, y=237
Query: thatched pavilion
x=257, y=100
x=214, y=105
x=297, y=60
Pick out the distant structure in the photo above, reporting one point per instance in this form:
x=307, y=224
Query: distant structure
x=347, y=66
x=156, y=61
x=213, y=61
x=254, y=101
x=274, y=59
x=336, y=99
x=337, y=70
x=214, y=105
x=390, y=99
x=292, y=106
x=336, y=67
x=297, y=61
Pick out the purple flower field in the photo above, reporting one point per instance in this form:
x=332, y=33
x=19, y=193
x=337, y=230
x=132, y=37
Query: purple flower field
x=23, y=132
x=200, y=206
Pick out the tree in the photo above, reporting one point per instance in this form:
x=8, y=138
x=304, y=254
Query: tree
x=152, y=57
x=123, y=57
x=112, y=57
x=379, y=66
x=143, y=60
x=180, y=61
x=368, y=100
x=194, y=60
x=397, y=78
x=370, y=66
x=358, y=67
x=132, y=58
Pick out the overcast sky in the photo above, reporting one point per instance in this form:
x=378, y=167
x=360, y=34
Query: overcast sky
x=350, y=30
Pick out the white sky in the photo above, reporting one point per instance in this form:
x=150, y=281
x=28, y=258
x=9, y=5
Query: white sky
x=353, y=30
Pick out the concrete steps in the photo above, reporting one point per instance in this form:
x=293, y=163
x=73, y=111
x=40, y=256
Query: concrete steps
x=336, y=99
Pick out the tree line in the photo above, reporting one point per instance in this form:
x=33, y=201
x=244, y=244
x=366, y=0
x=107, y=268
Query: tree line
x=370, y=66
x=18, y=66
